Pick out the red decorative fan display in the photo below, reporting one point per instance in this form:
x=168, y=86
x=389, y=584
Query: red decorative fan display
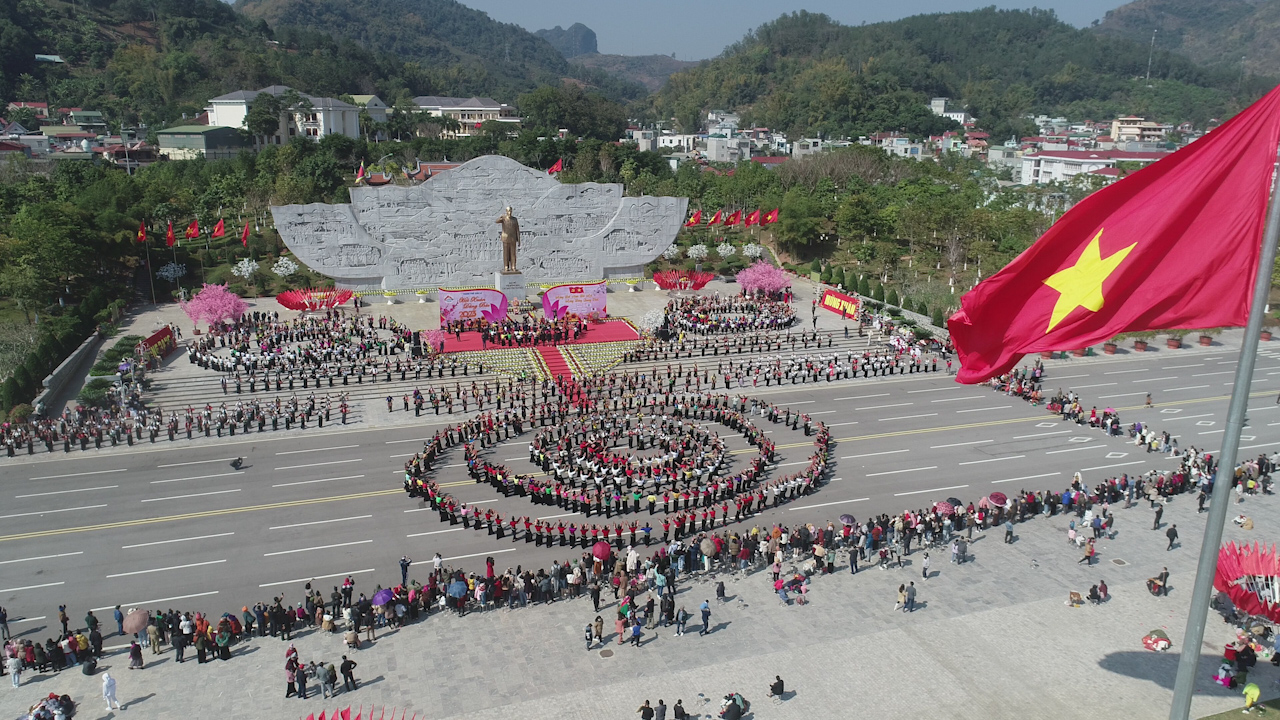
x=1250, y=576
x=682, y=279
x=312, y=299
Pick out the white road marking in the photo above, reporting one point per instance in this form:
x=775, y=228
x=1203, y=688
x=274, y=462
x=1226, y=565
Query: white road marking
x=1179, y=367
x=91, y=472
x=48, y=512
x=393, y=457
x=1191, y=387
x=394, y=442
x=163, y=569
x=978, y=462
x=885, y=452
x=157, y=601
x=907, y=417
x=971, y=442
x=435, y=532
x=42, y=557
x=851, y=422
x=798, y=402
x=198, y=477
x=491, y=552
x=308, y=482
x=320, y=449
x=316, y=577
x=957, y=387
x=195, y=462
x=863, y=397
x=1086, y=447
x=1070, y=377
x=331, y=462
x=998, y=407
x=320, y=522
x=1188, y=417
x=1252, y=447
x=1082, y=387
x=317, y=547
x=967, y=397
x=905, y=470
x=513, y=459
x=31, y=587
x=1055, y=432
x=879, y=407
x=1108, y=397
x=920, y=492
x=1106, y=467
x=1121, y=372
x=1212, y=432
x=165, y=542
x=837, y=502
x=798, y=462
x=1025, y=477
x=31, y=619
x=64, y=492
x=183, y=497
x=1224, y=372
x=823, y=412
x=1171, y=377
x=1227, y=362
x=553, y=517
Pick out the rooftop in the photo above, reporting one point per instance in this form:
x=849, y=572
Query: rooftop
x=453, y=102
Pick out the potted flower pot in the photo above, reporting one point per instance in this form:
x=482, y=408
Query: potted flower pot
x=1173, y=343
x=1079, y=353
x=1047, y=354
x=1206, y=340
x=1266, y=334
x=1109, y=348
x=1140, y=345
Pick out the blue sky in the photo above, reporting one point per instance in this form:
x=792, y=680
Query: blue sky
x=696, y=30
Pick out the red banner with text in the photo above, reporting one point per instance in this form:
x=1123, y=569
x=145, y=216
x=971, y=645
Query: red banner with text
x=839, y=303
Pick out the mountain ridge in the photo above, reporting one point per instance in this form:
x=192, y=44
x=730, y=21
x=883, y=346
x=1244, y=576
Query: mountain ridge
x=1215, y=32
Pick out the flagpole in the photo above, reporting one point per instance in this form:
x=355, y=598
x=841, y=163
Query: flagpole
x=1206, y=568
x=150, y=274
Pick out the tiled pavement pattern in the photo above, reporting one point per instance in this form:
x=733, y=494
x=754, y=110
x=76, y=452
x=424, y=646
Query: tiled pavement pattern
x=989, y=639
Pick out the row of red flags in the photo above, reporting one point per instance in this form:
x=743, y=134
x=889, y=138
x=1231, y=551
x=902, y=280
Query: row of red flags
x=756, y=217
x=346, y=715
x=193, y=231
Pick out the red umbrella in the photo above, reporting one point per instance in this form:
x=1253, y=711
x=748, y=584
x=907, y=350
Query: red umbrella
x=945, y=508
x=601, y=550
x=136, y=621
x=998, y=499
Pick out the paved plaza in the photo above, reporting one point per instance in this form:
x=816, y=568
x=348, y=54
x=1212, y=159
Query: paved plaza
x=172, y=525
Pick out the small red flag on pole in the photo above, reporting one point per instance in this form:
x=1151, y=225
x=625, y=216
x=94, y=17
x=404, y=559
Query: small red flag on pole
x=142, y=232
x=696, y=220
x=244, y=236
x=193, y=230
x=169, y=240
x=753, y=219
x=558, y=167
x=715, y=219
x=770, y=217
x=219, y=230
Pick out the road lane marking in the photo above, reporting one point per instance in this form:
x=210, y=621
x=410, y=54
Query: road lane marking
x=157, y=601
x=906, y=417
x=921, y=492
x=435, y=532
x=320, y=522
x=1070, y=377
x=957, y=387
x=798, y=402
x=309, y=482
x=1108, y=397
x=825, y=504
x=904, y=470
x=31, y=587
x=1055, y=432
x=1189, y=387
x=1082, y=387
x=491, y=552
x=393, y=457
x=395, y=442
x=320, y=449
x=1180, y=367
x=1025, y=477
x=42, y=557
x=1086, y=447
x=1189, y=417
x=998, y=407
x=553, y=517
x=316, y=577
x=1105, y=467
x=317, y=547
x=1171, y=377
x=967, y=397
x=851, y=422
x=195, y=462
x=192, y=495
x=1121, y=372
x=862, y=397
x=163, y=569
x=320, y=464
x=978, y=462
x=198, y=477
x=91, y=472
x=197, y=515
x=884, y=452
x=881, y=407
x=166, y=542
x=48, y=512
x=972, y=442
x=64, y=492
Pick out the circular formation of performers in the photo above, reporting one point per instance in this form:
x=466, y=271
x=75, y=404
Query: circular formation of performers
x=713, y=314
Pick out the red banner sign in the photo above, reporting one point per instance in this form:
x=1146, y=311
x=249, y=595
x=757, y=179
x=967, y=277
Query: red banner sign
x=839, y=303
x=160, y=343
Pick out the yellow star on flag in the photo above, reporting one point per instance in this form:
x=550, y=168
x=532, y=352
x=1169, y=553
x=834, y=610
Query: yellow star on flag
x=1081, y=284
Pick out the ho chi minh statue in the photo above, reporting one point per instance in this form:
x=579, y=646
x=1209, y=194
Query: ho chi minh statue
x=440, y=233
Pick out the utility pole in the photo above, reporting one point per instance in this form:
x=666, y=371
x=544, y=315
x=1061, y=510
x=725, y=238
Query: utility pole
x=1151, y=52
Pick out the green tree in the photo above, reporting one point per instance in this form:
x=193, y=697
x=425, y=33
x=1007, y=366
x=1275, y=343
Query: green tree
x=892, y=298
x=864, y=287
x=878, y=293
x=937, y=319
x=263, y=118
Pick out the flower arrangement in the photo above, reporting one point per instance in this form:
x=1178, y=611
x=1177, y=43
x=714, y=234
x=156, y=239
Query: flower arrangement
x=284, y=267
x=245, y=268
x=725, y=250
x=172, y=271
x=753, y=250
x=698, y=252
x=672, y=252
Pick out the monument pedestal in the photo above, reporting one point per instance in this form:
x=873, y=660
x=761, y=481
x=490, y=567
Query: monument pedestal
x=510, y=284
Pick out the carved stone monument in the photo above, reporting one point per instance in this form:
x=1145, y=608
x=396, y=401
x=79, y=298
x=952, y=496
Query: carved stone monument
x=440, y=233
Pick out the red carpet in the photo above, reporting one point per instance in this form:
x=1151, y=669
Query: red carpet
x=607, y=331
x=555, y=363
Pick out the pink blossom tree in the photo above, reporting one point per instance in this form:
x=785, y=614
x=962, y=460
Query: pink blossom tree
x=213, y=305
x=763, y=277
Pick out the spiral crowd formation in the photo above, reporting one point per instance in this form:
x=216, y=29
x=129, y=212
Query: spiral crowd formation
x=713, y=314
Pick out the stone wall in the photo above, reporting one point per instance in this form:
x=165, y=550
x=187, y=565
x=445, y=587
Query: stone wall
x=443, y=232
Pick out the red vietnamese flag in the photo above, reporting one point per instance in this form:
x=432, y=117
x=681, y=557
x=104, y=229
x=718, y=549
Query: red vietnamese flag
x=346, y=714
x=193, y=230
x=1175, y=245
x=558, y=167
x=696, y=220
x=168, y=236
x=715, y=219
x=142, y=232
x=219, y=230
x=244, y=236
x=770, y=217
x=753, y=219
x=733, y=218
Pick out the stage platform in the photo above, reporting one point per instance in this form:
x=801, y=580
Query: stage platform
x=607, y=331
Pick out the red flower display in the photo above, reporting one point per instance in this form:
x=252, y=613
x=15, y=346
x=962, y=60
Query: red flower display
x=682, y=279
x=1250, y=576
x=313, y=299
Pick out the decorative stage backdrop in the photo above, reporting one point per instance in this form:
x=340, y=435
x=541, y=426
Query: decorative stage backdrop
x=475, y=304
x=581, y=300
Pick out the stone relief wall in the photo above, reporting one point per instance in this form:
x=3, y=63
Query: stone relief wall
x=442, y=232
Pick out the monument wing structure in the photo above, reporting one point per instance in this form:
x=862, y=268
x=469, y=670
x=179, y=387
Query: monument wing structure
x=441, y=233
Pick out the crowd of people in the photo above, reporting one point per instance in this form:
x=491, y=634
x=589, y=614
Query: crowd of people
x=528, y=331
x=714, y=314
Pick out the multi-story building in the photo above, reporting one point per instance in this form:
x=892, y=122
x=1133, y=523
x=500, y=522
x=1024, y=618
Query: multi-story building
x=469, y=112
x=1132, y=128
x=315, y=118
x=1061, y=165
